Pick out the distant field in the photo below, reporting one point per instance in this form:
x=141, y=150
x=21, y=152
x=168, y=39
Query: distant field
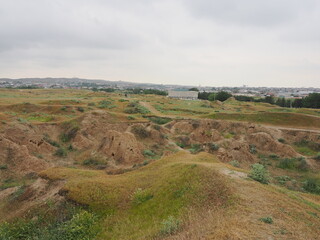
x=272, y=118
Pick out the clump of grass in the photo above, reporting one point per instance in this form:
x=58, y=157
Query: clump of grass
x=268, y=220
x=213, y=147
x=195, y=148
x=80, y=109
x=60, y=152
x=104, y=104
x=281, y=140
x=131, y=117
x=252, y=149
x=169, y=226
x=317, y=157
x=159, y=120
x=148, y=153
x=140, y=196
x=299, y=164
x=312, y=185
x=140, y=131
x=135, y=107
x=234, y=163
x=50, y=141
x=80, y=226
x=3, y=167
x=259, y=173
x=283, y=179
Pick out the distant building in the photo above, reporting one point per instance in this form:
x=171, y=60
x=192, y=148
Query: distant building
x=191, y=95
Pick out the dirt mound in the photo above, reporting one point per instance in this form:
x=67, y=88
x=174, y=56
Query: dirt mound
x=267, y=144
x=235, y=150
x=122, y=147
x=18, y=159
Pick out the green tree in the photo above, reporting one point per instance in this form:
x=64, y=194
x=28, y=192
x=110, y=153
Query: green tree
x=222, y=96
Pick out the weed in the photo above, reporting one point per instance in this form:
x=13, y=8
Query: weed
x=80, y=109
x=3, y=167
x=148, y=153
x=140, y=196
x=293, y=164
x=234, y=163
x=60, y=152
x=213, y=147
x=312, y=185
x=169, y=226
x=131, y=117
x=268, y=220
x=259, y=173
x=282, y=179
x=252, y=149
x=140, y=131
x=195, y=148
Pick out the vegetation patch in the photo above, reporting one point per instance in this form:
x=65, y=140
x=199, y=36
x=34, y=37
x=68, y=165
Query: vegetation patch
x=259, y=173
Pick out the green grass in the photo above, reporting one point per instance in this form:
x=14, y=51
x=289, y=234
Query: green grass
x=279, y=119
x=130, y=202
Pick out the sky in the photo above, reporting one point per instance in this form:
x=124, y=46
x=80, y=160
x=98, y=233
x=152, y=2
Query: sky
x=190, y=42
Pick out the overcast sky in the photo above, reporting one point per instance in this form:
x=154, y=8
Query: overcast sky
x=194, y=42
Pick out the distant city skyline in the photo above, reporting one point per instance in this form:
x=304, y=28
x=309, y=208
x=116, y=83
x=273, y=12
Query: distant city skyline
x=206, y=42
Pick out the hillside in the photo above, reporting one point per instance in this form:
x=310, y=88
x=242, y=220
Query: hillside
x=77, y=164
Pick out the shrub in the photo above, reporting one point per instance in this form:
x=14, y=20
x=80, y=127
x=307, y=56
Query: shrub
x=148, y=153
x=293, y=164
x=273, y=156
x=60, y=152
x=234, y=163
x=195, y=148
x=80, y=109
x=169, y=226
x=69, y=134
x=282, y=179
x=213, y=147
x=140, y=196
x=104, y=104
x=281, y=140
x=312, y=185
x=131, y=118
x=140, y=131
x=252, y=149
x=259, y=173
x=157, y=127
x=3, y=167
x=268, y=220
x=159, y=120
x=317, y=157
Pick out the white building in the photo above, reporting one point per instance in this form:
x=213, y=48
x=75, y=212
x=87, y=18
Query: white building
x=191, y=95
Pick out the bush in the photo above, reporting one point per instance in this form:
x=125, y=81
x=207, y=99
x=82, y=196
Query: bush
x=140, y=196
x=104, y=104
x=169, y=226
x=148, y=153
x=293, y=164
x=80, y=109
x=234, y=163
x=159, y=120
x=213, y=147
x=317, y=157
x=195, y=148
x=60, y=152
x=3, y=167
x=259, y=173
x=252, y=149
x=131, y=118
x=312, y=185
x=281, y=140
x=140, y=131
x=268, y=220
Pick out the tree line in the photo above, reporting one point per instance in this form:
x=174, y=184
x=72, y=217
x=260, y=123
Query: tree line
x=310, y=101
